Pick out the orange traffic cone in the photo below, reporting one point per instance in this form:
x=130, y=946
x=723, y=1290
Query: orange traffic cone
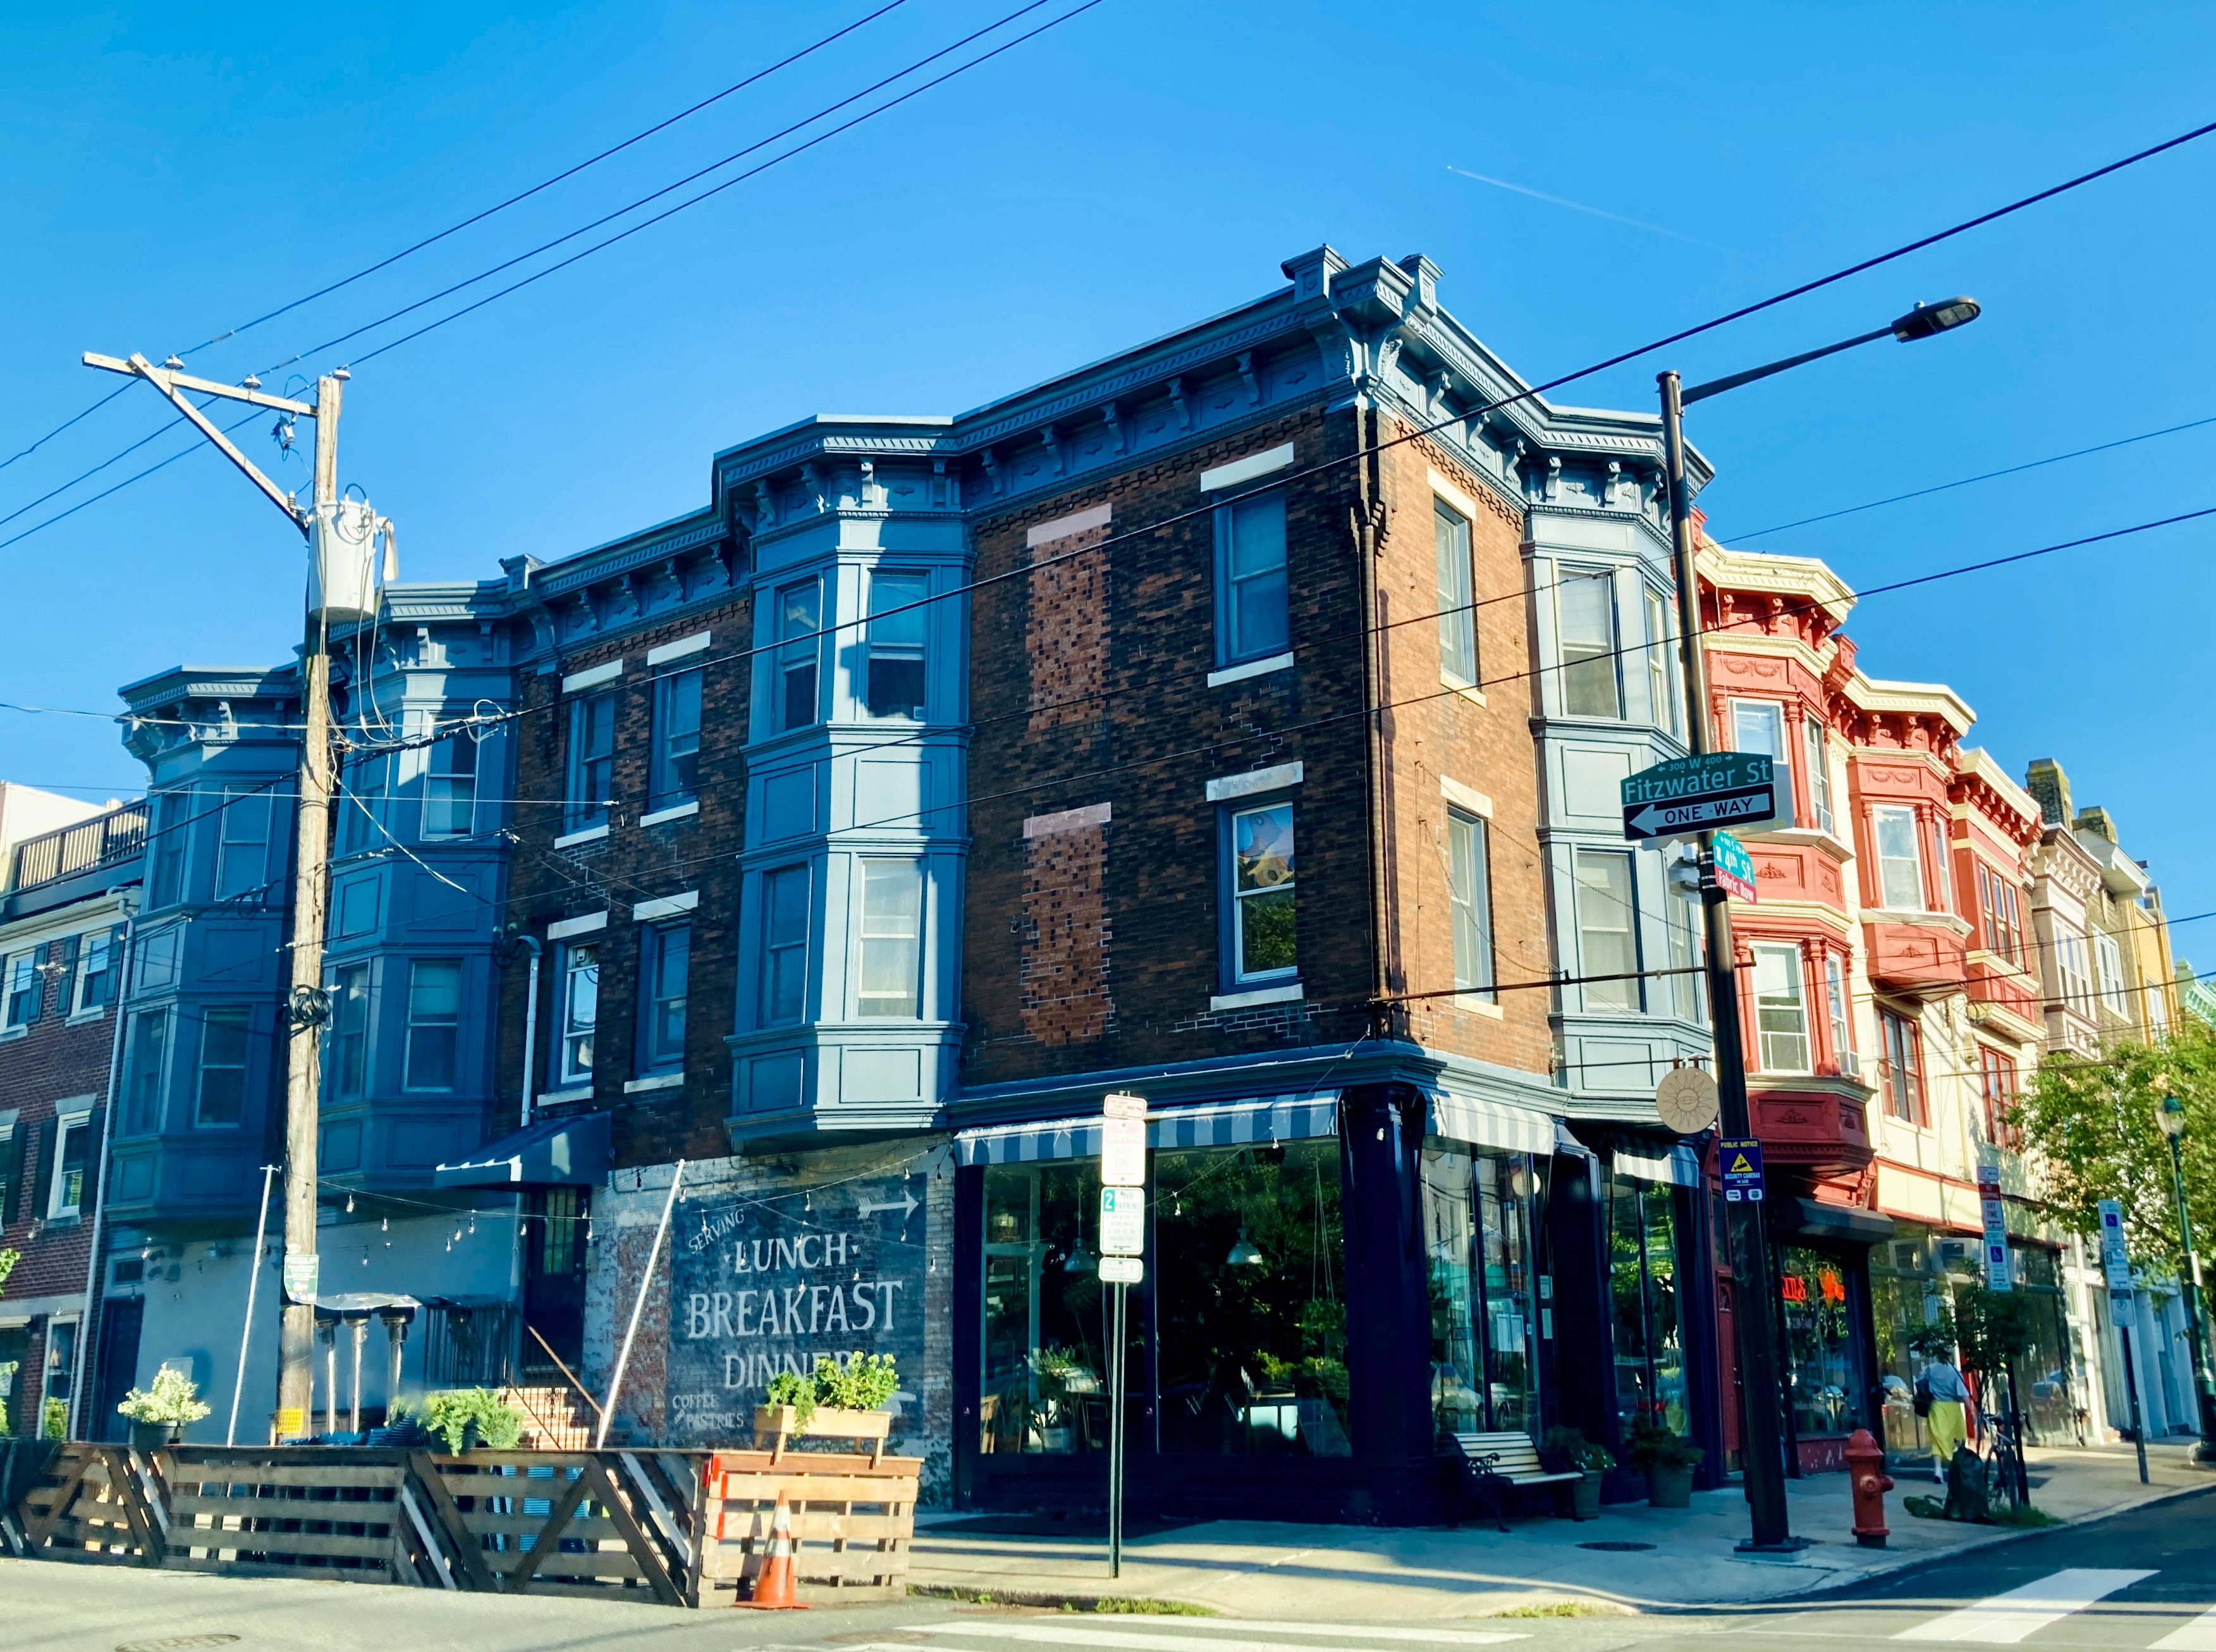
x=773, y=1590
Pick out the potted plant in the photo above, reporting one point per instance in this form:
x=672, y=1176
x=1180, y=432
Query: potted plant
x=465, y=1418
x=160, y=1415
x=844, y=1400
x=1667, y=1460
x=1570, y=1447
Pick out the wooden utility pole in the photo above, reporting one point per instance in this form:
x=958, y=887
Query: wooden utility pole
x=306, y=1005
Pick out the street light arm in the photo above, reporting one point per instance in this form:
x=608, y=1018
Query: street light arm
x=1717, y=386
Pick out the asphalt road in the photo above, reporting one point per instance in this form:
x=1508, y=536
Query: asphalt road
x=2143, y=1581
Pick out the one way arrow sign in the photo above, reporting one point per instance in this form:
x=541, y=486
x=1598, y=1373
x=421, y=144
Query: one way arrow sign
x=1689, y=795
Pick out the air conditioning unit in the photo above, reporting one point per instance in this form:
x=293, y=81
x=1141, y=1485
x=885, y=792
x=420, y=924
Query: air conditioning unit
x=1850, y=1064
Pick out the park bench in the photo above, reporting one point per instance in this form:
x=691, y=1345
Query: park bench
x=1495, y=1464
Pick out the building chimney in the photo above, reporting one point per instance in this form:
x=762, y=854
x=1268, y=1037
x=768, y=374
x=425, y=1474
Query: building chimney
x=2045, y=781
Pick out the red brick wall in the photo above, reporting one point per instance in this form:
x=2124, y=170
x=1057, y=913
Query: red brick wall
x=634, y=864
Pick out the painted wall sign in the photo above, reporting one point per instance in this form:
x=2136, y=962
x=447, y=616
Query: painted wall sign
x=757, y=1288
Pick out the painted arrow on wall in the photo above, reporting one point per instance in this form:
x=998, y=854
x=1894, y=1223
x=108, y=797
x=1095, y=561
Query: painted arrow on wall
x=905, y=1205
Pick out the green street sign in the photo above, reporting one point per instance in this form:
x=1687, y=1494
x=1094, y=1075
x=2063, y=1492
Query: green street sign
x=1687, y=796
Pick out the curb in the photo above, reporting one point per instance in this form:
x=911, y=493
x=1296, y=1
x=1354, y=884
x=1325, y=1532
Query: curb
x=1133, y=1606
x=1999, y=1536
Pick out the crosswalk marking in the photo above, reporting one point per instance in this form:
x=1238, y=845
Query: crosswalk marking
x=2004, y=1620
x=2199, y=1636
x=1061, y=1632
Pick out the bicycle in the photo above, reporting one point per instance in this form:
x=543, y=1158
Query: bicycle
x=2003, y=1463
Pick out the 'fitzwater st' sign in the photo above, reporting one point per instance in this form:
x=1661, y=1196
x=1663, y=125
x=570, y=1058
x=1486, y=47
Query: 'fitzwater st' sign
x=1689, y=795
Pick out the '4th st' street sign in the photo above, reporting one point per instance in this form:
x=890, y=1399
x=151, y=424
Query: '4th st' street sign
x=1689, y=795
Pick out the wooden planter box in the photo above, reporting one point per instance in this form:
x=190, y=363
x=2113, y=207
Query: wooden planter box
x=853, y=1518
x=780, y=1425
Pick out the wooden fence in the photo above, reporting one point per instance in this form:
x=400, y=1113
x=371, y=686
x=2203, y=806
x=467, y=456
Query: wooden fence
x=675, y=1528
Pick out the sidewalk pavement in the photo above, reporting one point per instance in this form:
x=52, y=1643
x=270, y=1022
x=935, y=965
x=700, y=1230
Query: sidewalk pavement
x=1685, y=1558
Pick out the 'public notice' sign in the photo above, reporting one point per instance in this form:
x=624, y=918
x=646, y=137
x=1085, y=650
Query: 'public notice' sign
x=762, y=1286
x=1740, y=1160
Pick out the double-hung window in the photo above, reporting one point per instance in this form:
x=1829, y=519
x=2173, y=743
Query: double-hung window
x=1760, y=725
x=1997, y=902
x=1608, y=930
x=799, y=618
x=895, y=644
x=1781, y=1009
x=580, y=1013
x=1252, y=621
x=1899, y=866
x=1457, y=593
x=26, y=989
x=1904, y=1066
x=1470, y=894
x=665, y=971
x=1997, y=1078
x=784, y=946
x=2077, y=974
x=73, y=1156
x=2108, y=959
x=1661, y=664
x=1686, y=988
x=892, y=938
x=1820, y=773
x=221, y=1098
x=1943, y=878
x=591, y=779
x=1835, y=1002
x=350, y=1032
x=361, y=783
x=99, y=967
x=1264, y=933
x=142, y=1072
x=1584, y=611
x=676, y=775
x=450, y=789
x=166, y=846
x=435, y=1023
x=242, y=860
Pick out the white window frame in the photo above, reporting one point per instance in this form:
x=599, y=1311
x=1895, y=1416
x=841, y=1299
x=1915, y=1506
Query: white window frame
x=577, y=957
x=1597, y=997
x=452, y=790
x=1793, y=1003
x=1452, y=543
x=1817, y=738
x=1834, y=1005
x=1609, y=653
x=67, y=1124
x=1778, y=746
x=2108, y=966
x=1236, y=902
x=19, y=974
x=1895, y=813
x=110, y=949
x=1469, y=903
x=2073, y=964
x=1662, y=691
x=864, y=938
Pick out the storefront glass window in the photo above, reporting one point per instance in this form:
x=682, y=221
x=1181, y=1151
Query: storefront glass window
x=1477, y=1213
x=1046, y=1316
x=1251, y=1316
x=1650, y=1357
x=2046, y=1387
x=1905, y=1296
x=1811, y=1289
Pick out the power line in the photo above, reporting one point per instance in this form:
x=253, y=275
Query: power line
x=1983, y=476
x=716, y=189
x=198, y=444
x=544, y=184
x=27, y=451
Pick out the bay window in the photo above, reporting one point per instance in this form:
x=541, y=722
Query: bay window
x=895, y=684
x=1820, y=773
x=1608, y=929
x=784, y=906
x=892, y=938
x=222, y=1091
x=798, y=620
x=1904, y=1066
x=1585, y=610
x=434, y=1024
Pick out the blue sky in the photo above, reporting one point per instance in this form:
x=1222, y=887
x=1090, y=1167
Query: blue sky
x=170, y=172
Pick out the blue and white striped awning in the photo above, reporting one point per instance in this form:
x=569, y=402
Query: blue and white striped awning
x=1462, y=1117
x=1679, y=1165
x=1213, y=1123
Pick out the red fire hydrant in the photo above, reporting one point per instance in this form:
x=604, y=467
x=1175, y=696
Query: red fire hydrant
x=1867, y=1478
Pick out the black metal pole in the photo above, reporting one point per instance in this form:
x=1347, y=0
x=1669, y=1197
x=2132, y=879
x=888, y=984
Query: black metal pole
x=2131, y=1390
x=2203, y=1387
x=1755, y=1317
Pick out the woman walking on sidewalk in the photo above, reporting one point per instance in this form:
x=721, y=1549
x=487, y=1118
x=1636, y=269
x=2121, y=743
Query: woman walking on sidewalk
x=1940, y=1395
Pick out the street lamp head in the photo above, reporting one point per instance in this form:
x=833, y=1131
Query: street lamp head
x=1926, y=319
x=2169, y=1113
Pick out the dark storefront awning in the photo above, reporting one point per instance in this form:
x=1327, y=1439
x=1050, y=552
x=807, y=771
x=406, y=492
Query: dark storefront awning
x=1216, y=1124
x=1806, y=1219
x=570, y=1152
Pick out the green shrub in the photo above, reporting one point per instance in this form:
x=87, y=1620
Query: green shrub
x=1571, y=1446
x=53, y=1419
x=456, y=1414
x=864, y=1382
x=1652, y=1446
x=171, y=1400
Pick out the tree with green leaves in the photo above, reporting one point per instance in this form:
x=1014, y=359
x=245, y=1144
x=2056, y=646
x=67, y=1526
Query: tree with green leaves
x=2091, y=1124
